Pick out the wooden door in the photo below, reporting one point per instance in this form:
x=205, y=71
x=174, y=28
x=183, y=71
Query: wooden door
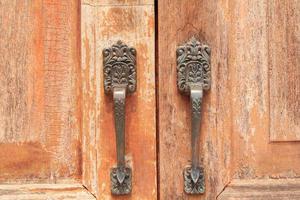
x=250, y=126
x=57, y=134
x=57, y=137
x=103, y=23
x=40, y=122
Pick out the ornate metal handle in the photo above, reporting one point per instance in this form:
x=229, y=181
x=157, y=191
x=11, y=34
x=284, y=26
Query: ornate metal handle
x=193, y=76
x=120, y=78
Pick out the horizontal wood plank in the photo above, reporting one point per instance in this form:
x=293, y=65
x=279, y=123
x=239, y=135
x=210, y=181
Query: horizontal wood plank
x=262, y=189
x=95, y=3
x=44, y=191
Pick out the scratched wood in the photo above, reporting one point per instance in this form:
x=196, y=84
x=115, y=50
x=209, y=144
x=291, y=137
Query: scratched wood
x=178, y=20
x=284, y=189
x=236, y=112
x=284, y=61
x=118, y=2
x=249, y=50
x=44, y=191
x=39, y=93
x=102, y=24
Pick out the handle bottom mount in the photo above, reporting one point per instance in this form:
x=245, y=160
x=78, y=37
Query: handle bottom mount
x=194, y=182
x=120, y=178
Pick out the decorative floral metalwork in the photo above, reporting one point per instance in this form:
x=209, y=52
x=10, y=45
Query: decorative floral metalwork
x=194, y=76
x=120, y=180
x=119, y=67
x=196, y=106
x=194, y=184
x=119, y=105
x=119, y=62
x=193, y=65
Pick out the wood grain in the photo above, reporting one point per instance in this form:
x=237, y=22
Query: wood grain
x=253, y=154
x=284, y=63
x=101, y=26
x=235, y=136
x=44, y=191
x=284, y=189
x=118, y=2
x=39, y=93
x=178, y=21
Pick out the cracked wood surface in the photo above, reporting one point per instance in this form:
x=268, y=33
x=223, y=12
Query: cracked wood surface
x=178, y=21
x=44, y=191
x=251, y=49
x=284, y=66
x=262, y=189
x=250, y=115
x=238, y=115
x=39, y=93
x=254, y=54
x=102, y=25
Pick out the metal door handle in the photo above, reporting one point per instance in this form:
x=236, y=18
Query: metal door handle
x=193, y=76
x=120, y=78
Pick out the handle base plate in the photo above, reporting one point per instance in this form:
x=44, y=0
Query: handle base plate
x=194, y=182
x=120, y=186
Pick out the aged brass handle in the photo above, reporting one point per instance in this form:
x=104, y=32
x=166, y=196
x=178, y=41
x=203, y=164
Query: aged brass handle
x=120, y=78
x=193, y=76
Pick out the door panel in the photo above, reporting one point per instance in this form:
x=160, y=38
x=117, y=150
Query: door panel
x=253, y=154
x=39, y=68
x=178, y=21
x=103, y=23
x=284, y=64
x=256, y=103
x=57, y=125
x=244, y=106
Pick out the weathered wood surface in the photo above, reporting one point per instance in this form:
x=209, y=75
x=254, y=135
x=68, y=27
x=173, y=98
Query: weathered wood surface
x=45, y=192
x=236, y=111
x=271, y=189
x=118, y=2
x=248, y=55
x=284, y=63
x=39, y=92
x=178, y=21
x=101, y=26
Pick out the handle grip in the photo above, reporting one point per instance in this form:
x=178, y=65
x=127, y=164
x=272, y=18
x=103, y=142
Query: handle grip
x=120, y=78
x=193, y=76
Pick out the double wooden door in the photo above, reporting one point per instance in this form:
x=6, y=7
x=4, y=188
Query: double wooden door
x=57, y=133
